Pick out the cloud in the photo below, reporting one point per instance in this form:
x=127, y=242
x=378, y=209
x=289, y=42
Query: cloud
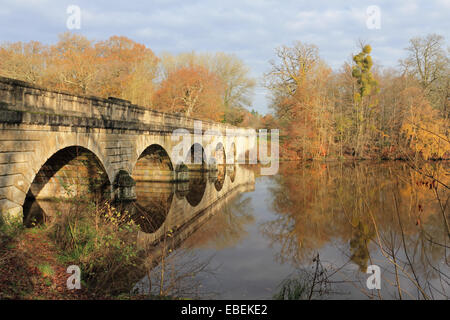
x=250, y=29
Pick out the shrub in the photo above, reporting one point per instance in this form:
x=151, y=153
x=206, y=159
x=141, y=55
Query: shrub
x=101, y=240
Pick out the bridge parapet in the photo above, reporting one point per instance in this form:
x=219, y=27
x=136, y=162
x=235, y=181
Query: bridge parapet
x=38, y=126
x=21, y=96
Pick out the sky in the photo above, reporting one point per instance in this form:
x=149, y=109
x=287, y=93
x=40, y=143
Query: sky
x=250, y=29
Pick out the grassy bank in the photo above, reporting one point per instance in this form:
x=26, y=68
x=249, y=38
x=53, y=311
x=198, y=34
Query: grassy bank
x=99, y=239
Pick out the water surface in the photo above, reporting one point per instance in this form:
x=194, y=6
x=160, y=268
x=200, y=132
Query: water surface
x=349, y=215
x=243, y=235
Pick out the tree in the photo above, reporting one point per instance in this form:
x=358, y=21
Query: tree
x=233, y=73
x=74, y=64
x=422, y=128
x=426, y=60
x=429, y=63
x=116, y=67
x=298, y=82
x=268, y=122
x=366, y=84
x=128, y=71
x=294, y=64
x=193, y=91
x=24, y=61
x=235, y=76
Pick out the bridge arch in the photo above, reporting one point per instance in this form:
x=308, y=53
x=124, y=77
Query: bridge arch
x=49, y=147
x=153, y=173
x=221, y=160
x=196, y=161
x=153, y=164
x=196, y=158
x=70, y=172
x=231, y=153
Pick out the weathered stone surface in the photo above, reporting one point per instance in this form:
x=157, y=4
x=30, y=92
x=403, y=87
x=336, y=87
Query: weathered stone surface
x=10, y=214
x=36, y=125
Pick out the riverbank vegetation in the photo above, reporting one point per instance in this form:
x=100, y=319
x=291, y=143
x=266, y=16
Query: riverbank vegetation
x=206, y=86
x=99, y=239
x=103, y=242
x=363, y=110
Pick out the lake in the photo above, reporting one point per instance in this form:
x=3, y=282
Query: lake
x=334, y=218
x=314, y=229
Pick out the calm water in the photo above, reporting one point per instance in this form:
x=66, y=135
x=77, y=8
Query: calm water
x=242, y=235
x=330, y=210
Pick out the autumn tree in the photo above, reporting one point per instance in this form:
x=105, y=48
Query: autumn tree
x=74, y=64
x=233, y=73
x=129, y=70
x=430, y=64
x=423, y=130
x=268, y=121
x=366, y=84
x=298, y=82
x=214, y=86
x=24, y=61
x=238, y=85
x=192, y=91
x=117, y=67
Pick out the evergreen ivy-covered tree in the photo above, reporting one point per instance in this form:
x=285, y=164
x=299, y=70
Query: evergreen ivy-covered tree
x=361, y=71
x=366, y=84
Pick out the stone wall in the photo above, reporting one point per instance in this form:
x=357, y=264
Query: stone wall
x=58, y=107
x=35, y=124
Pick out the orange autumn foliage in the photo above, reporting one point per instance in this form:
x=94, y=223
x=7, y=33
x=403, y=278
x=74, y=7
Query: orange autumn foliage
x=192, y=91
x=214, y=87
x=117, y=67
x=129, y=67
x=422, y=128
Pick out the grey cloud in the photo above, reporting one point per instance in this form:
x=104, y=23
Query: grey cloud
x=249, y=28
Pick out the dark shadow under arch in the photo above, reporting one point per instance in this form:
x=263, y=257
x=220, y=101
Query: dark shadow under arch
x=197, y=165
x=154, y=164
x=231, y=168
x=72, y=172
x=195, y=158
x=220, y=157
x=154, y=176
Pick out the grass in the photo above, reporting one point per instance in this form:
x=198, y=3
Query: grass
x=46, y=270
x=99, y=239
x=293, y=289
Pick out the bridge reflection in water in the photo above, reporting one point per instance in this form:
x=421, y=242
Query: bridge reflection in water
x=181, y=207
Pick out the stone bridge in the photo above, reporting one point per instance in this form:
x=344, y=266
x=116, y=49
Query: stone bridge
x=55, y=144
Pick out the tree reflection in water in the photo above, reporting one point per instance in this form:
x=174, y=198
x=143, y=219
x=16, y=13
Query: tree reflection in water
x=154, y=200
x=225, y=228
x=197, y=187
x=374, y=213
x=219, y=219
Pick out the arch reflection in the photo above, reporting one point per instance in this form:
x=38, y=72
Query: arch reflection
x=154, y=176
x=73, y=174
x=231, y=171
x=196, y=163
x=221, y=161
x=152, y=206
